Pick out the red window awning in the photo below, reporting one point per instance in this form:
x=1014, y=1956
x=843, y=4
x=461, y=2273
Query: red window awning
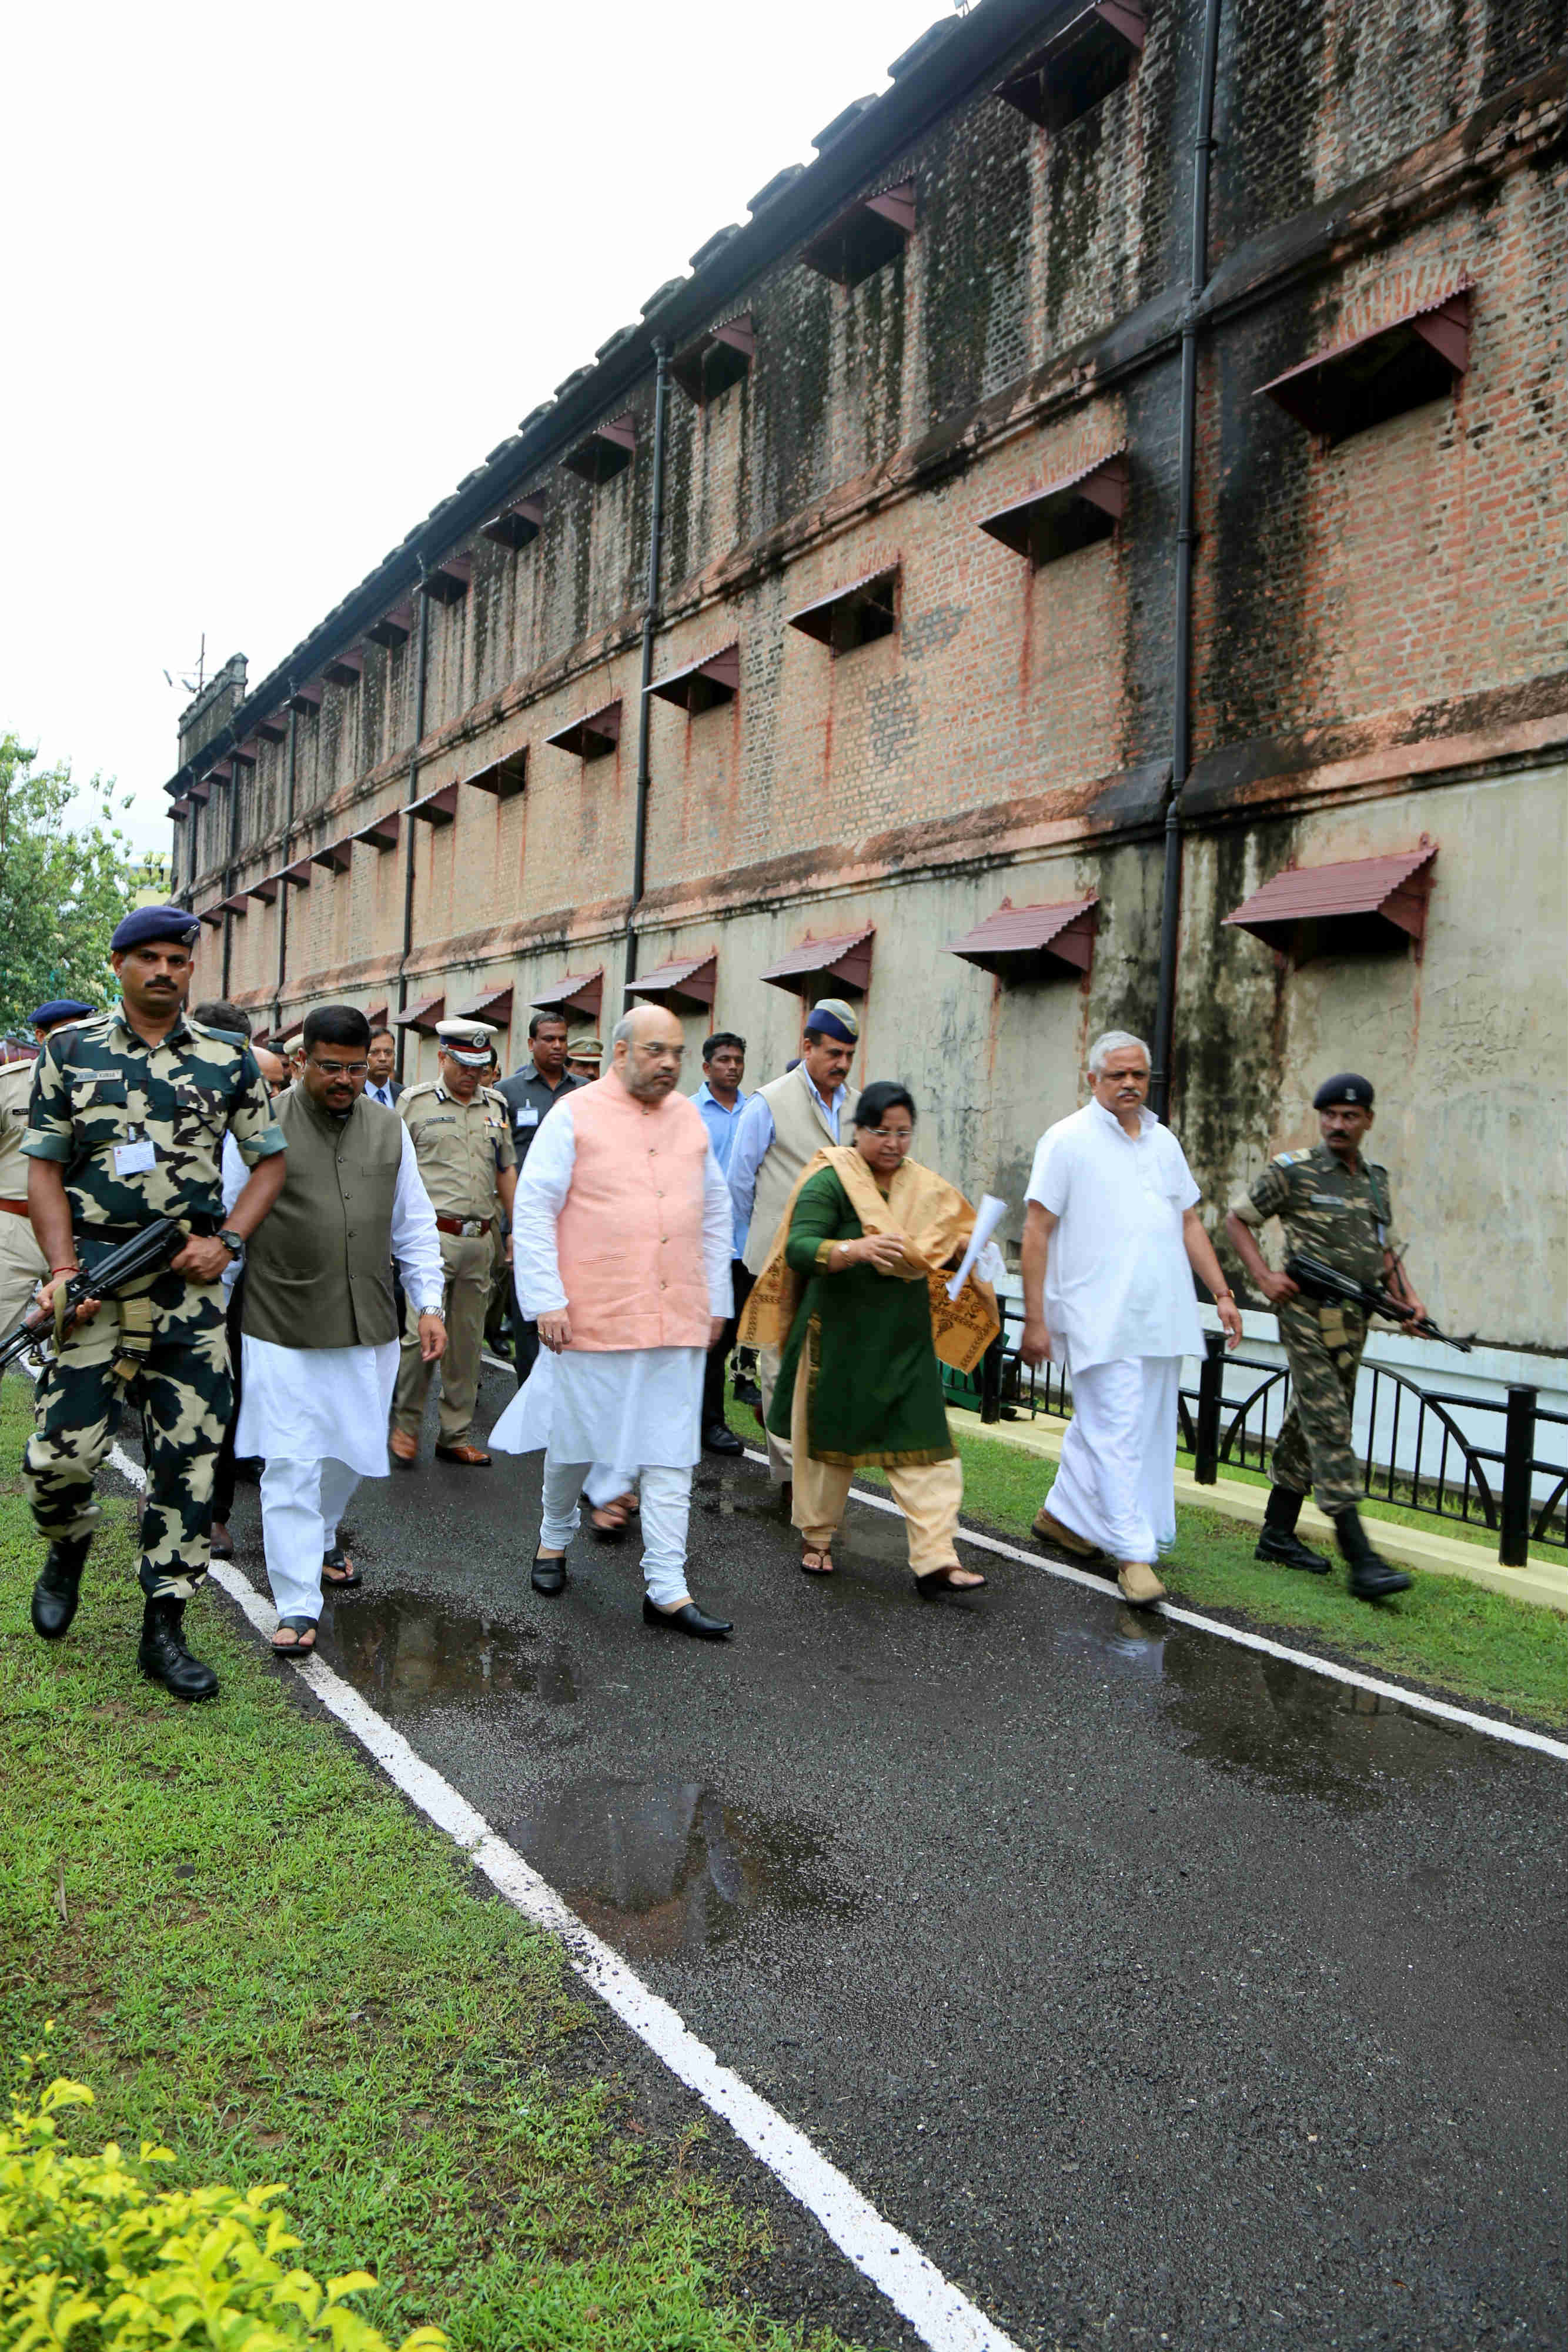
x=1032, y=942
x=423, y=1016
x=1417, y=357
x=505, y=778
x=593, y=737
x=846, y=960
x=714, y=679
x=345, y=669
x=1086, y=58
x=447, y=582
x=377, y=1016
x=1067, y=514
x=382, y=831
x=335, y=856
x=516, y=525
x=394, y=628
x=496, y=1008
x=273, y=729
x=438, y=807
x=1367, y=902
x=234, y=905
x=692, y=983
x=714, y=361
x=180, y=810
x=299, y=873
x=866, y=609
x=576, y=992
x=864, y=237
x=214, y=915
x=305, y=699
x=607, y=451
x=266, y=890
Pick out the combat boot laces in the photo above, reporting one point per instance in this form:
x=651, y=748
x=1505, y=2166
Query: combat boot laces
x=164, y=1657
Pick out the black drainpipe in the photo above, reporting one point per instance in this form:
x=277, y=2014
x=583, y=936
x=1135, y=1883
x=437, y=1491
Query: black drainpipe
x=283, y=888
x=421, y=643
x=229, y=869
x=1181, y=684
x=650, y=625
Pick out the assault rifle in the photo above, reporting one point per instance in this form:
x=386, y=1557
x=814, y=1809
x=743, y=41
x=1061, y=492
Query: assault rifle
x=1315, y=1278
x=144, y=1253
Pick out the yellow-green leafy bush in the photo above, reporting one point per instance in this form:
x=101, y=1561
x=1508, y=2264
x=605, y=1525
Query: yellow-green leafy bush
x=94, y=2256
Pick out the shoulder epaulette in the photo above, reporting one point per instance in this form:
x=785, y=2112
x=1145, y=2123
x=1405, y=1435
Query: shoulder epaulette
x=425, y=1086
x=224, y=1036
x=1289, y=1159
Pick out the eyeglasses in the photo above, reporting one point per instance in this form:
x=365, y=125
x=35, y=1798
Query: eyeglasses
x=903, y=1136
x=341, y=1069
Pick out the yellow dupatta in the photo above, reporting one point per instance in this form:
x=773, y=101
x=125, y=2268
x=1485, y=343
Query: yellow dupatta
x=933, y=1221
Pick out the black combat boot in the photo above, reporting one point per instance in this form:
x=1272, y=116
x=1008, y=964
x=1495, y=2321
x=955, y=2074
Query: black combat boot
x=58, y=1588
x=164, y=1655
x=1279, y=1541
x=1371, y=1576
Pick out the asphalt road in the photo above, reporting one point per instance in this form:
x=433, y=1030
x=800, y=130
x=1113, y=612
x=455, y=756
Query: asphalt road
x=1166, y=1995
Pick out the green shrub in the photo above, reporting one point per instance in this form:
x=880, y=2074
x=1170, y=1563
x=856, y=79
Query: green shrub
x=95, y=2257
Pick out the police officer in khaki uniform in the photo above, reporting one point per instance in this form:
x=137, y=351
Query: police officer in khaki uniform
x=1335, y=1205
x=23, y=1265
x=462, y=1137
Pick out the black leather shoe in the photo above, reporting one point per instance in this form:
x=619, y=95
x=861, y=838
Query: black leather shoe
x=1373, y=1578
x=164, y=1657
x=1283, y=1551
x=58, y=1588
x=719, y=1438
x=687, y=1619
x=548, y=1576
x=747, y=1393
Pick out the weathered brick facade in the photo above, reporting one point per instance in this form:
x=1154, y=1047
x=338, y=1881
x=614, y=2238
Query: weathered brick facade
x=1378, y=625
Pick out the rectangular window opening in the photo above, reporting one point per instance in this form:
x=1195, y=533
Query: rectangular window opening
x=707, y=368
x=1420, y=357
x=1093, y=54
x=607, y=451
x=851, y=616
x=865, y=238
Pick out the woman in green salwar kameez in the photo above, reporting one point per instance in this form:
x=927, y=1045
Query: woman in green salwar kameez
x=859, y=1381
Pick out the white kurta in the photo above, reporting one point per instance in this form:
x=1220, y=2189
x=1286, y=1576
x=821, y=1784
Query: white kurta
x=1118, y=1282
x=316, y=1404
x=637, y=1408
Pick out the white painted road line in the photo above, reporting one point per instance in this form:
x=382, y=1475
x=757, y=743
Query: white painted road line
x=940, y=2314
x=1487, y=1725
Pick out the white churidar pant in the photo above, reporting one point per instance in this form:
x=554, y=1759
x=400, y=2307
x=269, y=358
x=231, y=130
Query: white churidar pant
x=1117, y=1484
x=666, y=1509
x=301, y=1504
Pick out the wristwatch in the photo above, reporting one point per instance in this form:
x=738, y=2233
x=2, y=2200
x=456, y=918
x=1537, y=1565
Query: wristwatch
x=235, y=1244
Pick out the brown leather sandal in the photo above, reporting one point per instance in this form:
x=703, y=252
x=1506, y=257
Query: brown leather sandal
x=940, y=1580
x=815, y=1561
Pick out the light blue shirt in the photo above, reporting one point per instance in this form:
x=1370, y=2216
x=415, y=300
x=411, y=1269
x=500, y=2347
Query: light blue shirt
x=753, y=1140
x=721, y=1124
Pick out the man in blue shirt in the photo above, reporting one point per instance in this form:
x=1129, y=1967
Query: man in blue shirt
x=719, y=1099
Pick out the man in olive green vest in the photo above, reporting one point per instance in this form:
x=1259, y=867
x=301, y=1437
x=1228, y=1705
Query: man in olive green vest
x=783, y=1126
x=320, y=1334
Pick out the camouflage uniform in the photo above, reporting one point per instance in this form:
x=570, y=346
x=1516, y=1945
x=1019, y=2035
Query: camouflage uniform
x=101, y=1087
x=1342, y=1215
x=460, y=1148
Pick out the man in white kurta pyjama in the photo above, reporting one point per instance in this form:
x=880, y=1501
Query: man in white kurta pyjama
x=320, y=1345
x=621, y=1233
x=1112, y=1223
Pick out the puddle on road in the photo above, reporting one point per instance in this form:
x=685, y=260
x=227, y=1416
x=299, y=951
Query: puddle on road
x=1269, y=1721
x=663, y=1868
x=400, y=1649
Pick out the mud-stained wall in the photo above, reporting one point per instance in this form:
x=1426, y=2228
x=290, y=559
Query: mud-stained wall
x=1378, y=639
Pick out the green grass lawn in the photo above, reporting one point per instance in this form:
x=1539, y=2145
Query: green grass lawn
x=254, y=1950
x=1448, y=1636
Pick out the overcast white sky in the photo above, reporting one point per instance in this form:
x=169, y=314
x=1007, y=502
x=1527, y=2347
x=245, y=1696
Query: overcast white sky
x=279, y=275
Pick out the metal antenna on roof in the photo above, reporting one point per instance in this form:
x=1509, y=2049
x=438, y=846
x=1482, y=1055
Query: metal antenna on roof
x=191, y=685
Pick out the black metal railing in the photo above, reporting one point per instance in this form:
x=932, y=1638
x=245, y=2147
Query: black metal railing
x=1415, y=1453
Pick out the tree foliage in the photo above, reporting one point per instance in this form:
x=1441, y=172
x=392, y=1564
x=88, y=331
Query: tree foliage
x=62, y=889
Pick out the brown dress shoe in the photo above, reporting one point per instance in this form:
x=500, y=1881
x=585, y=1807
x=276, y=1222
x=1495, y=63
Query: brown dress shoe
x=404, y=1447
x=1052, y=1531
x=1139, y=1584
x=472, y=1457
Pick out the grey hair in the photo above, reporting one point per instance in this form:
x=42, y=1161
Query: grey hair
x=622, y=1032
x=1115, y=1041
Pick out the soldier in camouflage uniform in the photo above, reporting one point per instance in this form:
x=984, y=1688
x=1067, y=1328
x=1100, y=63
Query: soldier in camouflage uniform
x=127, y=1124
x=1334, y=1205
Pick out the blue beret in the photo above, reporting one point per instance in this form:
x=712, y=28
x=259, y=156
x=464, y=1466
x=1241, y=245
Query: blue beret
x=176, y=923
x=59, y=1008
x=1344, y=1089
x=833, y=1018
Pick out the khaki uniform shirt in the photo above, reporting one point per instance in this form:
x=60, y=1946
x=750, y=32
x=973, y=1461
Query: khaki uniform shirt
x=15, y=1093
x=461, y=1148
x=1338, y=1213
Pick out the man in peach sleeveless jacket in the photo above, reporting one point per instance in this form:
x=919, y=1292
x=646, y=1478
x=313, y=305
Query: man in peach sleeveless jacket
x=621, y=1232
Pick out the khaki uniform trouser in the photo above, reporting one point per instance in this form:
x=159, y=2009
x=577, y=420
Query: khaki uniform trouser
x=466, y=1263
x=929, y=1493
x=778, y=1449
x=23, y=1266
